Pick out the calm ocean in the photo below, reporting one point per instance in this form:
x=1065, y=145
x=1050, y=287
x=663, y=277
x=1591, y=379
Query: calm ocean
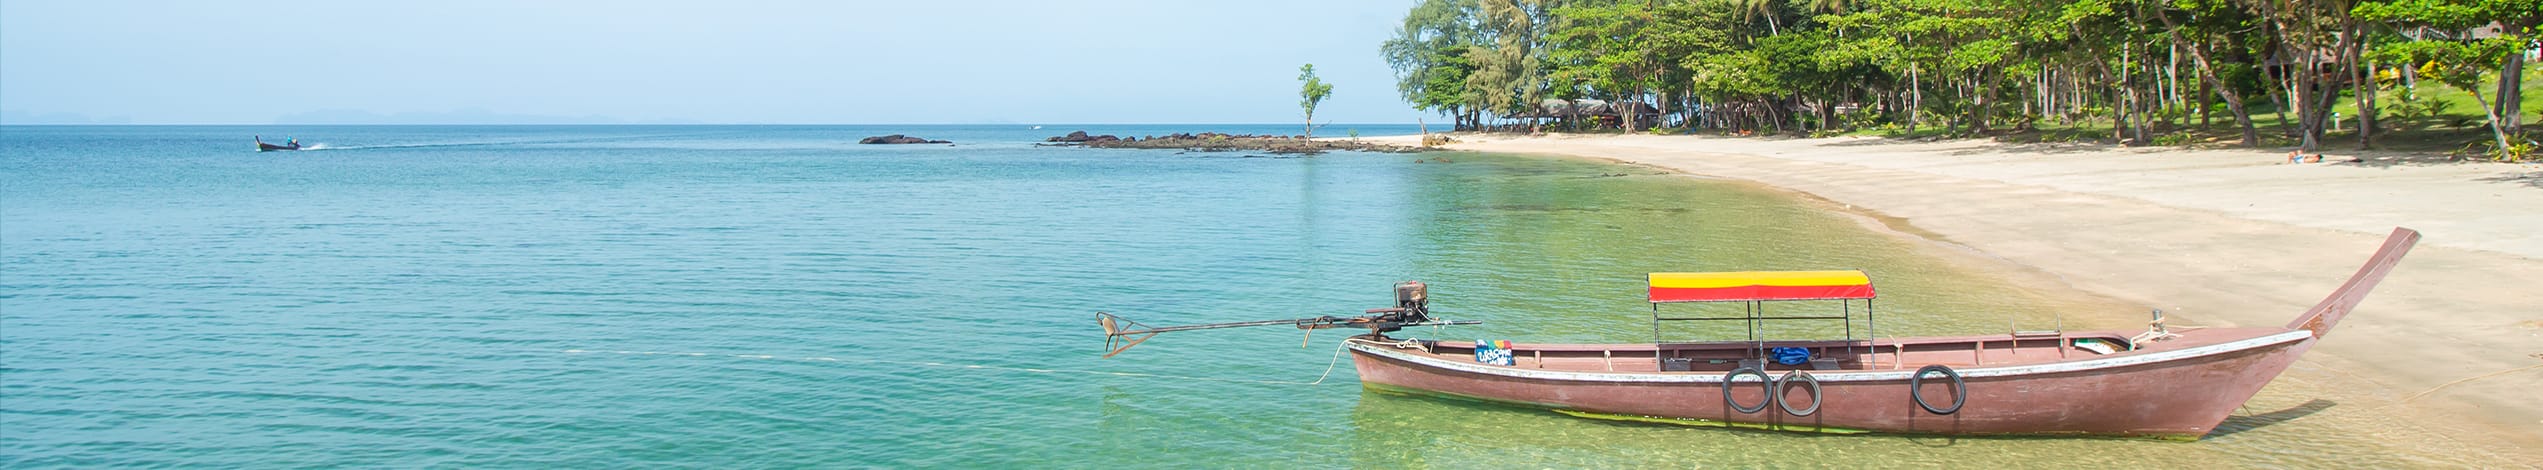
x=779, y=296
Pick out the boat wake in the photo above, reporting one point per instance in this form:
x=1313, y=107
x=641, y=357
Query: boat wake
x=323, y=146
x=401, y=146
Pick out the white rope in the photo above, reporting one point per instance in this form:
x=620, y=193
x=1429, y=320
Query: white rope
x=2430, y=390
x=1320, y=378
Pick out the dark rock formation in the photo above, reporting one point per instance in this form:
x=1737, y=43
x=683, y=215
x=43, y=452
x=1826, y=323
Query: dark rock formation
x=1080, y=137
x=1219, y=142
x=899, y=139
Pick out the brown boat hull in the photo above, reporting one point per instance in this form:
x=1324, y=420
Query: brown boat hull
x=2176, y=392
x=2167, y=385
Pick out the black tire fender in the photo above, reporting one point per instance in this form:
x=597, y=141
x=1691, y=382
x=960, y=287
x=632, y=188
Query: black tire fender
x=1959, y=389
x=1768, y=381
x=1787, y=381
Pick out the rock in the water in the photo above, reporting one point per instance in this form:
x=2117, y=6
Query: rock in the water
x=898, y=139
x=1080, y=137
x=1221, y=142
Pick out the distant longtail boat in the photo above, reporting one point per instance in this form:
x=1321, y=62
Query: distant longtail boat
x=261, y=146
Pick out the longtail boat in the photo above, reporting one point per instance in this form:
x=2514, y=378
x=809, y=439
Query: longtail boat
x=261, y=146
x=2161, y=383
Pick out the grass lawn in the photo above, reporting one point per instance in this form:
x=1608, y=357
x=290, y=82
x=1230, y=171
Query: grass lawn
x=2458, y=126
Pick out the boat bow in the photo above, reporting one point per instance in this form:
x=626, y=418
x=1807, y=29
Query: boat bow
x=2328, y=313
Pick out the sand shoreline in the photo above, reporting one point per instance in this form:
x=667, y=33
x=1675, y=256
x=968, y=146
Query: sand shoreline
x=2214, y=237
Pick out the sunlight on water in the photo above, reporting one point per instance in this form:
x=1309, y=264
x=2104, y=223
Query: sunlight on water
x=779, y=296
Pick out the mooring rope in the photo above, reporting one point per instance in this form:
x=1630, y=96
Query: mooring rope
x=1320, y=378
x=2430, y=390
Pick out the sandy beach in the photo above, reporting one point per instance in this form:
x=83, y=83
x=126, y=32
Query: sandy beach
x=2213, y=237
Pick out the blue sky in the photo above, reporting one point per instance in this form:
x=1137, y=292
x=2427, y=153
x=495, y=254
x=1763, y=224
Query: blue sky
x=747, y=61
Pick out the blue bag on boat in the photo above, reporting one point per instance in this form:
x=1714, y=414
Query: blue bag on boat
x=1790, y=356
x=1494, y=352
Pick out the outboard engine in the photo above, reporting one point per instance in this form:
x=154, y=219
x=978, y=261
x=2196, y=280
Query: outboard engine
x=1412, y=307
x=1414, y=298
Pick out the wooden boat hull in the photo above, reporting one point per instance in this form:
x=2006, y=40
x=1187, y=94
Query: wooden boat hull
x=265, y=147
x=2170, y=385
x=2176, y=392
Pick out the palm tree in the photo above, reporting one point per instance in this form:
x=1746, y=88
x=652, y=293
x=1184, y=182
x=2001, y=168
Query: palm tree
x=1751, y=9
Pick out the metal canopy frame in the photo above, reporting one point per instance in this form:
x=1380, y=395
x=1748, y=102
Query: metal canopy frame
x=1754, y=317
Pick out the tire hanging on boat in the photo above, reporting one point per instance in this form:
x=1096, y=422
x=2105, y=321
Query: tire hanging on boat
x=1787, y=381
x=1959, y=389
x=1762, y=378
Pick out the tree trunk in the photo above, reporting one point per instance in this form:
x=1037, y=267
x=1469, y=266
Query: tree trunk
x=2410, y=74
x=1828, y=112
x=2118, y=109
x=2149, y=106
x=2276, y=83
x=2278, y=97
x=2116, y=82
x=2500, y=133
x=1660, y=107
x=1980, y=113
x=2172, y=76
x=2511, y=97
x=2040, y=90
x=2308, y=114
x=2314, y=96
x=2366, y=98
x=2063, y=86
x=2207, y=90
x=2141, y=105
x=1916, y=103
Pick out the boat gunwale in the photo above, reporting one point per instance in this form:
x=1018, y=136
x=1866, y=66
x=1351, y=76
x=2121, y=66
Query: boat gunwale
x=1825, y=343
x=2137, y=358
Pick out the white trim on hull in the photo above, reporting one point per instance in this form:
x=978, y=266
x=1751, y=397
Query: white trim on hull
x=2106, y=362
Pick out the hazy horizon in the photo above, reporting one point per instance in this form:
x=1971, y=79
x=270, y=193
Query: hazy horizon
x=1321, y=126
x=772, y=62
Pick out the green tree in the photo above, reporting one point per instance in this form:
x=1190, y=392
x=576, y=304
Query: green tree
x=1311, y=90
x=1509, y=74
x=2315, y=40
x=1615, y=50
x=2198, y=49
x=2143, y=66
x=2459, y=60
x=1429, y=57
x=1752, y=9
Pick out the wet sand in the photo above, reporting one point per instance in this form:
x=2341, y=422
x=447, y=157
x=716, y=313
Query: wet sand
x=2448, y=343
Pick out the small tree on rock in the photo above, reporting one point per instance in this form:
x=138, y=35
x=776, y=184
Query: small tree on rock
x=1311, y=90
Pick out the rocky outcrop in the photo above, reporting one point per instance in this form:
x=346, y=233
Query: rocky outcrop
x=898, y=139
x=1219, y=142
x=1080, y=137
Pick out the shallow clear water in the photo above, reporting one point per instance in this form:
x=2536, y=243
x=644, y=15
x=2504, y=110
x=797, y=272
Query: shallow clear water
x=765, y=296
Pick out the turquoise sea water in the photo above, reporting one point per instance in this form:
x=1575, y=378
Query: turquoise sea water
x=723, y=296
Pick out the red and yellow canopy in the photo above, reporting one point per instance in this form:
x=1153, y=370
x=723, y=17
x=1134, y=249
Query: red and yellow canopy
x=1760, y=285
